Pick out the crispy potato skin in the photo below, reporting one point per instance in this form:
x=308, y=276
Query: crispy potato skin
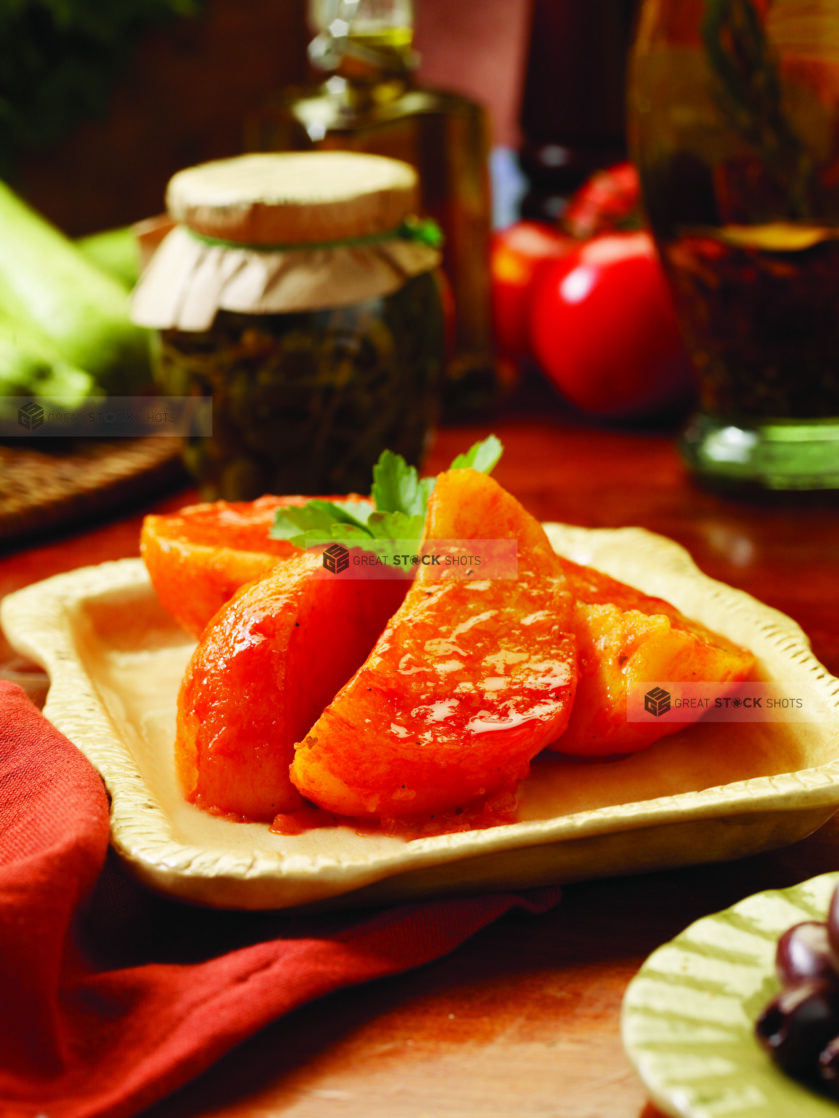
x=627, y=638
x=470, y=679
x=394, y=707
x=265, y=667
x=199, y=556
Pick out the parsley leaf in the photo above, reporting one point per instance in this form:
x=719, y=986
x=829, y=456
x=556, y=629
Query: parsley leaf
x=321, y=517
x=395, y=511
x=397, y=486
x=481, y=456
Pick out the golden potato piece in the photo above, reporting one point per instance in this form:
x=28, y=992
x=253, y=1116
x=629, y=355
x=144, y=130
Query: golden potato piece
x=470, y=679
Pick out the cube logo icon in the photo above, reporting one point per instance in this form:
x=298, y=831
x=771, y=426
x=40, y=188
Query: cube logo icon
x=336, y=558
x=30, y=416
x=657, y=701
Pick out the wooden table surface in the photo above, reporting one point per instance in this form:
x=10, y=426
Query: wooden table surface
x=524, y=1019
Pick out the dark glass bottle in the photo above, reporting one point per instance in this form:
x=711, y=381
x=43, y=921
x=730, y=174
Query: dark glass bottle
x=573, y=106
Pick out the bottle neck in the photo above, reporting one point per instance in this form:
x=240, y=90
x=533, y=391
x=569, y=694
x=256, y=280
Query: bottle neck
x=365, y=42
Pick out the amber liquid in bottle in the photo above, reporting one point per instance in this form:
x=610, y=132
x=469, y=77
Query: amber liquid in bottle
x=369, y=102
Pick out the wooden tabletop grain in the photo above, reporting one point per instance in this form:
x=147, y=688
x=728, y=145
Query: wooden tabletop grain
x=524, y=1019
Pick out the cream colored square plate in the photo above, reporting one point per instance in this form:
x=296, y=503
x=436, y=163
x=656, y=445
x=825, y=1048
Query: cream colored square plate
x=713, y=792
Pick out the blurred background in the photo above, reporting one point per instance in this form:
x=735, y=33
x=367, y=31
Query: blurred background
x=127, y=97
x=186, y=82
x=517, y=116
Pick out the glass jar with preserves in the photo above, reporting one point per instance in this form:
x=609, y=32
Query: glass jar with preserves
x=299, y=292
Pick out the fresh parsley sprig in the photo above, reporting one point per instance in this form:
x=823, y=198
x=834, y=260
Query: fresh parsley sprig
x=395, y=511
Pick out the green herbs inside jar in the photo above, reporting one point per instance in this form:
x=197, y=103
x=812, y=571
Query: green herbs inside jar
x=300, y=293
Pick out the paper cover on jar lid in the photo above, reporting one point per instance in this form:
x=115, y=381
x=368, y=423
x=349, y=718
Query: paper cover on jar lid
x=280, y=234
x=188, y=280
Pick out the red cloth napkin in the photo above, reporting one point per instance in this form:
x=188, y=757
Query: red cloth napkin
x=111, y=996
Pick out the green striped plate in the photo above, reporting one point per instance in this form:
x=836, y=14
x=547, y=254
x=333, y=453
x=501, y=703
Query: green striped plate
x=688, y=1015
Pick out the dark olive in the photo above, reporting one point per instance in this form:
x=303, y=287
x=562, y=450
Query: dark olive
x=798, y=1024
x=829, y=1067
x=803, y=953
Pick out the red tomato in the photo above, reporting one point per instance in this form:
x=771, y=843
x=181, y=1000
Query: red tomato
x=517, y=255
x=604, y=330
x=610, y=200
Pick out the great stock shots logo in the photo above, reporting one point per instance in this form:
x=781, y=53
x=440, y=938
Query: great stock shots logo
x=657, y=702
x=336, y=558
x=30, y=416
x=443, y=559
x=106, y=417
x=684, y=702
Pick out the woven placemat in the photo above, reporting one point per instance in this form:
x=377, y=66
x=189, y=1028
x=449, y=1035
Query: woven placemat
x=68, y=483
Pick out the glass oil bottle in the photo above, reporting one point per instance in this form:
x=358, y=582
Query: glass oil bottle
x=368, y=100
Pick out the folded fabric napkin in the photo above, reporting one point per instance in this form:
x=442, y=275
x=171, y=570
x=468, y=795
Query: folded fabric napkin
x=112, y=996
